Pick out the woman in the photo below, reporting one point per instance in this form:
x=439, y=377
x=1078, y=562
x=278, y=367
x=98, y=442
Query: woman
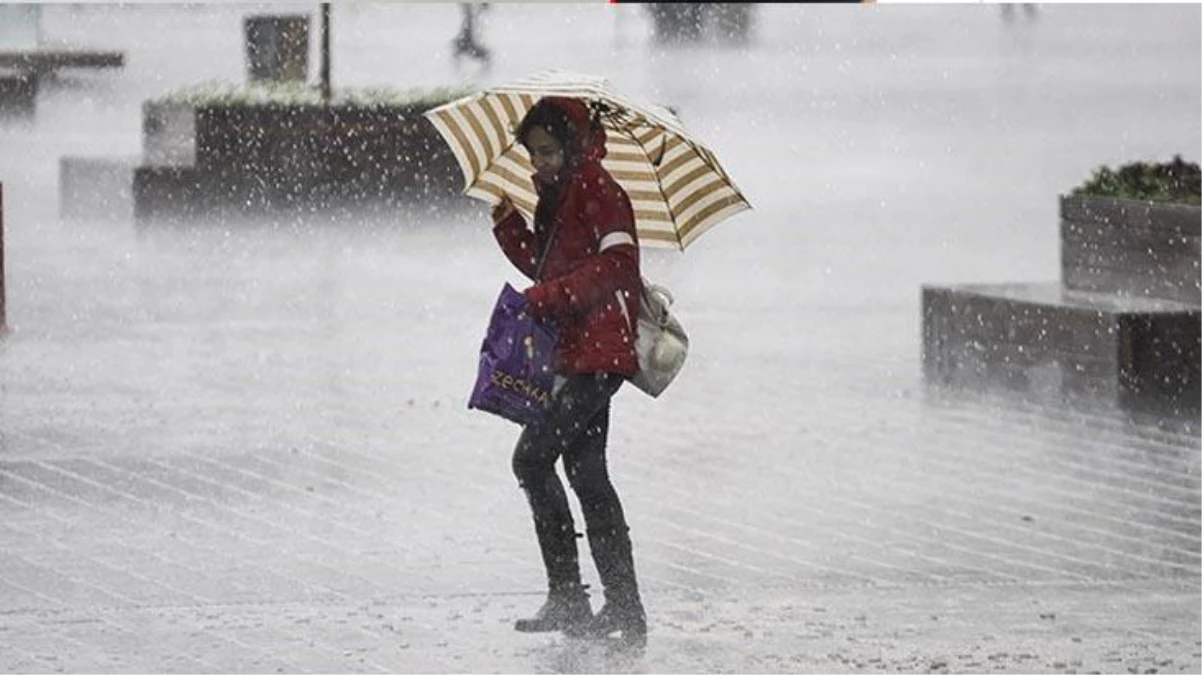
x=585, y=243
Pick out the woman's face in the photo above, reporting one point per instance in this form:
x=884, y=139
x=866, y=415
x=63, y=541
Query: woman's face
x=546, y=153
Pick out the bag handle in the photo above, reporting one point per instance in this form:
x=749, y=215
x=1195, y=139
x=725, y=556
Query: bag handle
x=665, y=296
x=656, y=301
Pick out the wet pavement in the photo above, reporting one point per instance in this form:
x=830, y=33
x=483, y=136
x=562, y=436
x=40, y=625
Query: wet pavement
x=244, y=446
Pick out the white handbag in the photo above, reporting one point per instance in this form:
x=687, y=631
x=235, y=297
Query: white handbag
x=661, y=343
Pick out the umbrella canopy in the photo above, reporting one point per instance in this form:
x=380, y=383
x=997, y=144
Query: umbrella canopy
x=676, y=186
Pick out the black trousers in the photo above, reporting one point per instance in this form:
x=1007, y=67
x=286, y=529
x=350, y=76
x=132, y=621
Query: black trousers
x=576, y=428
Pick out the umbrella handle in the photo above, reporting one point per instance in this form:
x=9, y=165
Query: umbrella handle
x=502, y=208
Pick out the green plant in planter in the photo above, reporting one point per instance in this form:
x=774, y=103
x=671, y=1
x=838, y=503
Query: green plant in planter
x=1176, y=181
x=216, y=92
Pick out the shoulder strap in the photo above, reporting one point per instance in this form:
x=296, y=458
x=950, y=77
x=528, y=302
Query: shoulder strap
x=542, y=259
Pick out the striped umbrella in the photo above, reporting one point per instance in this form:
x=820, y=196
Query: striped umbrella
x=676, y=185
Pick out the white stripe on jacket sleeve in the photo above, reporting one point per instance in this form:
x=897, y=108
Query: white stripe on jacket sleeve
x=615, y=239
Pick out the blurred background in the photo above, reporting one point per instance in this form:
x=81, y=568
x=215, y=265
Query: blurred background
x=881, y=146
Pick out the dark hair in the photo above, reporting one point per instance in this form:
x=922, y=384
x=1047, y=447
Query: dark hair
x=552, y=119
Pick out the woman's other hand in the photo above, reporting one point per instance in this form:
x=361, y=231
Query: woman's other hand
x=502, y=210
x=536, y=301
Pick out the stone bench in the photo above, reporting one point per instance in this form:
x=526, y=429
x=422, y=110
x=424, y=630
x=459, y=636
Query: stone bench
x=1054, y=344
x=22, y=47
x=21, y=70
x=44, y=61
x=1122, y=329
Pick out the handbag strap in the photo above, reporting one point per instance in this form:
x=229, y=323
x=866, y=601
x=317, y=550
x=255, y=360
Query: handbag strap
x=538, y=273
x=542, y=259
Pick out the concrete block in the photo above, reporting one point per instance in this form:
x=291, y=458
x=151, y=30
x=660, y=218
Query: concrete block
x=99, y=188
x=1054, y=344
x=184, y=192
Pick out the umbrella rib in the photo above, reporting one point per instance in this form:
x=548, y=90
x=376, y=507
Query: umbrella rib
x=658, y=184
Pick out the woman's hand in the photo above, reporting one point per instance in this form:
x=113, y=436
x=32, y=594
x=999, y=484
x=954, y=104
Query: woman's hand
x=502, y=210
x=536, y=301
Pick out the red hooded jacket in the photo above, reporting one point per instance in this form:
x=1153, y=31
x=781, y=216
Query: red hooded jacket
x=590, y=282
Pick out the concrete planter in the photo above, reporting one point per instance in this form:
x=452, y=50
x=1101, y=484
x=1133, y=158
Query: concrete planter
x=1131, y=248
x=312, y=152
x=168, y=134
x=264, y=157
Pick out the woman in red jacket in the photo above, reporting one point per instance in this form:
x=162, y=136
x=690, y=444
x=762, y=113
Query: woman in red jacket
x=589, y=287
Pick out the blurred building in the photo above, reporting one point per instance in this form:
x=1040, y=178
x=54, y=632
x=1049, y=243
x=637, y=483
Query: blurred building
x=730, y=23
x=20, y=26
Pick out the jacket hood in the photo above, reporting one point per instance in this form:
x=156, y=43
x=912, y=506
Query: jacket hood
x=590, y=138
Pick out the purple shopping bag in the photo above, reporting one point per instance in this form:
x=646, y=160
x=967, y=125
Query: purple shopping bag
x=516, y=363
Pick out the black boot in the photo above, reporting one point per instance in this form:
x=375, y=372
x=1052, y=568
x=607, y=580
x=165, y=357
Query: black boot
x=623, y=616
x=623, y=611
x=567, y=609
